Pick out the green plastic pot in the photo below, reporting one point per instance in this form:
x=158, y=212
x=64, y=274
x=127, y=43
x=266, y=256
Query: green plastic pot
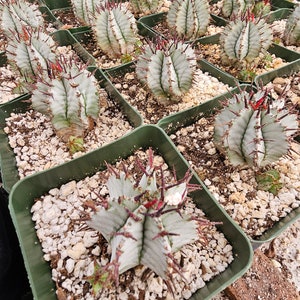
x=279, y=51
x=278, y=14
x=21, y=104
x=56, y=4
x=146, y=23
x=25, y=191
x=66, y=38
x=286, y=70
x=204, y=65
x=282, y=4
x=185, y=118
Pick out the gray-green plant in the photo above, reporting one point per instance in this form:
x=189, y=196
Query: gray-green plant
x=144, y=221
x=85, y=10
x=261, y=8
x=145, y=7
x=244, y=43
x=29, y=51
x=167, y=68
x=253, y=129
x=17, y=14
x=69, y=96
x=292, y=28
x=188, y=19
x=115, y=30
x=234, y=8
x=245, y=38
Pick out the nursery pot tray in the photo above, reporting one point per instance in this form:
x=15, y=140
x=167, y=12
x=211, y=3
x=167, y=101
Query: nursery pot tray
x=26, y=190
x=21, y=104
x=185, y=118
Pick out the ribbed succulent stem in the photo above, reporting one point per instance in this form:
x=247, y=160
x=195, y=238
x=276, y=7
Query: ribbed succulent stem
x=244, y=39
x=30, y=51
x=145, y=6
x=17, y=14
x=252, y=129
x=85, y=10
x=292, y=28
x=69, y=96
x=234, y=8
x=143, y=220
x=115, y=30
x=167, y=69
x=188, y=19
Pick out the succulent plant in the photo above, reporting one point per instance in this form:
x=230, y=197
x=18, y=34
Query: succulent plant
x=253, y=129
x=115, y=29
x=145, y=6
x=188, y=18
x=30, y=51
x=261, y=8
x=85, y=10
x=292, y=28
x=269, y=181
x=245, y=38
x=233, y=8
x=69, y=95
x=143, y=220
x=17, y=14
x=167, y=69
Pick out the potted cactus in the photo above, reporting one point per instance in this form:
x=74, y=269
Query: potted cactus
x=146, y=7
x=150, y=195
x=250, y=193
x=292, y=29
x=187, y=20
x=167, y=78
x=75, y=125
x=245, y=48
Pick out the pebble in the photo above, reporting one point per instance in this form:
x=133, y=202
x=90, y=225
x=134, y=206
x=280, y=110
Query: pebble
x=76, y=251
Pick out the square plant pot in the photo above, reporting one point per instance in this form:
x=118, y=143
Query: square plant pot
x=86, y=47
x=153, y=112
x=283, y=4
x=56, y=4
x=9, y=170
x=278, y=14
x=189, y=117
x=285, y=54
x=27, y=190
x=147, y=24
x=284, y=71
x=82, y=35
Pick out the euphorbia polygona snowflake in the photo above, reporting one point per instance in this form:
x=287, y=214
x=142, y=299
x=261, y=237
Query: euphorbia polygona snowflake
x=143, y=220
x=254, y=129
x=245, y=38
x=69, y=96
x=115, y=29
x=167, y=69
